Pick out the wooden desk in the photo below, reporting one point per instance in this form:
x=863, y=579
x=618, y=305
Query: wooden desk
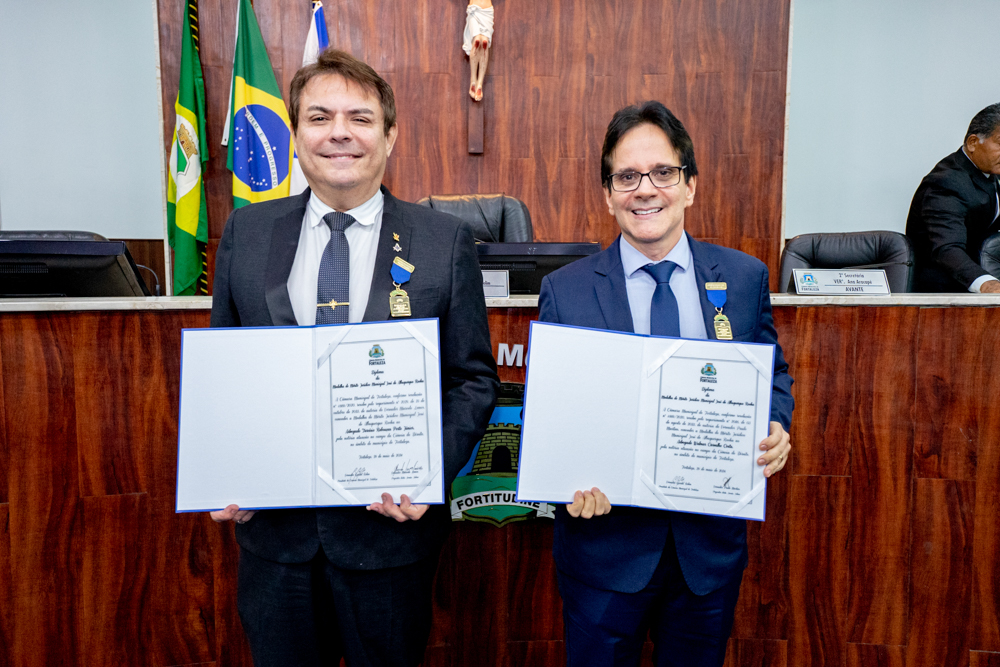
x=881, y=544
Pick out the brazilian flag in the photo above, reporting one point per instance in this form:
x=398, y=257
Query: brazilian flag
x=187, y=218
x=258, y=130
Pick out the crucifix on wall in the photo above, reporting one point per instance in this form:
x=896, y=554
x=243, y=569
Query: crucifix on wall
x=476, y=42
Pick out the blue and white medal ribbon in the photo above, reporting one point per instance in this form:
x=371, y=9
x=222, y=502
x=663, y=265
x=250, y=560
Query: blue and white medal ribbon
x=717, y=296
x=399, y=302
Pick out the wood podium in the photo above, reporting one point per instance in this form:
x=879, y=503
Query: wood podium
x=880, y=547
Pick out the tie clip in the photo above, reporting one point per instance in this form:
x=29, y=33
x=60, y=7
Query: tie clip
x=333, y=304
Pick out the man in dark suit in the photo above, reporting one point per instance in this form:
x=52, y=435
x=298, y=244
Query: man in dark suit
x=630, y=571
x=318, y=584
x=955, y=208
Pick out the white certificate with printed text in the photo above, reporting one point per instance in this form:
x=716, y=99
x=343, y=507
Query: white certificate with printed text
x=663, y=423
x=310, y=416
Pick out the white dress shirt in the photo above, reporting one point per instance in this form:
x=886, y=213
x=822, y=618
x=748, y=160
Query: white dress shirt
x=683, y=283
x=362, y=239
x=978, y=282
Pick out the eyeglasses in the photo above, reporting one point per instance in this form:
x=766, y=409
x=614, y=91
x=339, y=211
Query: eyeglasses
x=661, y=177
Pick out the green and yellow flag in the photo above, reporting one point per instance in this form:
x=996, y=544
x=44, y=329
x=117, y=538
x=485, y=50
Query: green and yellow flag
x=258, y=131
x=187, y=218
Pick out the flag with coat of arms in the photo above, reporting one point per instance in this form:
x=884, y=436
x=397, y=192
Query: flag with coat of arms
x=316, y=41
x=258, y=131
x=187, y=216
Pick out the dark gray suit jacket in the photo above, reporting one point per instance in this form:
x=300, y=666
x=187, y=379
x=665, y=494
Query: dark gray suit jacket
x=950, y=216
x=250, y=289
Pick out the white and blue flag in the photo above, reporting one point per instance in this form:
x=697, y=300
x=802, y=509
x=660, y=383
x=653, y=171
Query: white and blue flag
x=316, y=41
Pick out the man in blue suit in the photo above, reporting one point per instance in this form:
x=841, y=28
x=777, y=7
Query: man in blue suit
x=632, y=571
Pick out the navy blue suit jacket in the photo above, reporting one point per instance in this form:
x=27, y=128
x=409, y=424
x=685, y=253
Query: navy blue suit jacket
x=620, y=551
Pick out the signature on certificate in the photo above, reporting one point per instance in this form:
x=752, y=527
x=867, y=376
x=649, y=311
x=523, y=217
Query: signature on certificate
x=407, y=468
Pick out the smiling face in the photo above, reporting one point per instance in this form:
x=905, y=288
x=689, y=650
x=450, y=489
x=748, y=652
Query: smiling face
x=651, y=219
x=341, y=142
x=985, y=155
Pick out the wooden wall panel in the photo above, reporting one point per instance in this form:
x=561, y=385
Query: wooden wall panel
x=941, y=588
x=45, y=521
x=875, y=655
x=881, y=473
x=986, y=544
x=819, y=569
x=4, y=448
x=825, y=403
x=762, y=610
x=535, y=606
x=946, y=430
x=557, y=72
x=114, y=577
x=757, y=653
x=983, y=659
x=874, y=566
x=480, y=603
x=511, y=326
x=6, y=593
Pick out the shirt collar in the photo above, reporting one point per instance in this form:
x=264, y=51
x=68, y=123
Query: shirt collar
x=364, y=214
x=633, y=260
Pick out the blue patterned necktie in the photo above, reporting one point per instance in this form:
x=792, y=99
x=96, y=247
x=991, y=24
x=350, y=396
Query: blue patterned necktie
x=333, y=289
x=664, y=318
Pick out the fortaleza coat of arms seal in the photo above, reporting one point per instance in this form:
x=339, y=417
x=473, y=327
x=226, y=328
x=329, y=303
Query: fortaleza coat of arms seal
x=485, y=489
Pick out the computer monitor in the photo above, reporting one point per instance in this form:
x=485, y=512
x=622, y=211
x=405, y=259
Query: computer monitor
x=68, y=268
x=528, y=263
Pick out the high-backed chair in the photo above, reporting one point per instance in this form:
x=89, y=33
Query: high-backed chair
x=989, y=255
x=494, y=218
x=850, y=250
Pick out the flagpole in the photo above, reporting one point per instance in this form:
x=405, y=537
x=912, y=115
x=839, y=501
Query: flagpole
x=168, y=278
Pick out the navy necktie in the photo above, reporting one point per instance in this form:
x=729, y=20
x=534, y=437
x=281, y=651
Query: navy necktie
x=333, y=289
x=664, y=318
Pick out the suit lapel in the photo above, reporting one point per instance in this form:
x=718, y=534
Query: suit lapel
x=284, y=242
x=612, y=295
x=706, y=271
x=392, y=223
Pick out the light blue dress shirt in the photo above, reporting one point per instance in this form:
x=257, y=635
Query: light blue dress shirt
x=683, y=283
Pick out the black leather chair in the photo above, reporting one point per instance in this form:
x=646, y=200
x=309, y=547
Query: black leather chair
x=494, y=218
x=989, y=255
x=850, y=250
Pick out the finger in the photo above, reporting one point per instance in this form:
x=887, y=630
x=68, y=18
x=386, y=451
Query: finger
x=417, y=511
x=778, y=463
x=413, y=512
x=776, y=434
x=392, y=510
x=589, y=504
x=226, y=514
x=574, y=508
x=244, y=515
x=603, y=504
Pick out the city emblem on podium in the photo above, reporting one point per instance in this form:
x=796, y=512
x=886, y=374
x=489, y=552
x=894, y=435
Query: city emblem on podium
x=486, y=488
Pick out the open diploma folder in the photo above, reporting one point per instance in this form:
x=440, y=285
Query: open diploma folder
x=664, y=423
x=309, y=416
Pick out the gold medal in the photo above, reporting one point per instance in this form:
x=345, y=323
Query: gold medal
x=723, y=331
x=399, y=303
